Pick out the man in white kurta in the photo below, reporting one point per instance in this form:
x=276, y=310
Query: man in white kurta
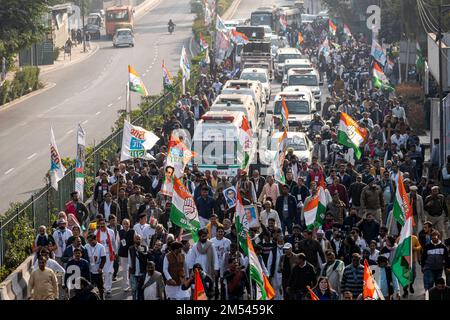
x=111, y=250
x=205, y=253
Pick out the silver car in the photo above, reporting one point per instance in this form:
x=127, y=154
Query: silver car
x=123, y=37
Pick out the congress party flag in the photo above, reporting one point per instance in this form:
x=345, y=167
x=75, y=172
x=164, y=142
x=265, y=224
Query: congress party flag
x=264, y=290
x=57, y=169
x=184, y=212
x=239, y=37
x=136, y=141
x=347, y=31
x=136, y=83
x=284, y=113
x=315, y=208
x=178, y=155
x=203, y=42
x=371, y=291
x=378, y=53
x=283, y=22
x=167, y=79
x=350, y=134
x=241, y=222
x=379, y=79
x=279, y=159
x=184, y=64
x=300, y=39
x=245, y=142
x=333, y=27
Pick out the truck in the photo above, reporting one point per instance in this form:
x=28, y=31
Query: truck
x=94, y=25
x=118, y=17
x=257, y=55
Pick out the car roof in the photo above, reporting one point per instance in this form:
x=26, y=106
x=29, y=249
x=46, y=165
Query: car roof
x=254, y=70
x=234, y=96
x=301, y=95
x=288, y=50
x=297, y=61
x=290, y=134
x=124, y=29
x=299, y=89
x=302, y=71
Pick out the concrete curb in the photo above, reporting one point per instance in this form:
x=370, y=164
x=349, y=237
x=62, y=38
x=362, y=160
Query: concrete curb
x=75, y=61
x=8, y=105
x=15, y=287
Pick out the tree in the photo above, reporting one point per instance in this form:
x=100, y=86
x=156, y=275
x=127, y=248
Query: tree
x=22, y=24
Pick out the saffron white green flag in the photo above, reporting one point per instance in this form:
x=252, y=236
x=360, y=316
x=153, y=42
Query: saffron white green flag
x=184, y=212
x=241, y=222
x=264, y=290
x=401, y=264
x=136, y=141
x=401, y=201
x=279, y=159
x=57, y=169
x=315, y=208
x=136, y=83
x=350, y=134
x=245, y=142
x=379, y=79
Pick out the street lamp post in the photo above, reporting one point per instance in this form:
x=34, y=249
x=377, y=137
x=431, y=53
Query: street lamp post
x=442, y=9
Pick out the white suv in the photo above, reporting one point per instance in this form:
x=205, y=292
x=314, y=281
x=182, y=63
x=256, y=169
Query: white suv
x=258, y=74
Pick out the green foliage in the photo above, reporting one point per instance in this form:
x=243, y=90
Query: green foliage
x=25, y=81
x=67, y=162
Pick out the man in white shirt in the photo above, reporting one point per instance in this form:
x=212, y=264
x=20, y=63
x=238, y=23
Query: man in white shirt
x=204, y=253
x=273, y=266
x=51, y=263
x=399, y=111
x=268, y=213
x=399, y=139
x=140, y=227
x=222, y=246
x=97, y=260
x=107, y=238
x=61, y=236
x=153, y=288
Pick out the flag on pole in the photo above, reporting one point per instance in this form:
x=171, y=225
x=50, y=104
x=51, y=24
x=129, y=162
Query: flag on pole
x=300, y=39
x=371, y=291
x=284, y=113
x=239, y=37
x=203, y=42
x=135, y=82
x=420, y=60
x=315, y=208
x=246, y=142
x=184, y=64
x=347, y=31
x=350, y=134
x=136, y=141
x=57, y=169
x=279, y=159
x=312, y=295
x=283, y=22
x=402, y=208
x=79, y=162
x=379, y=79
x=333, y=27
x=241, y=222
x=184, y=212
x=220, y=25
x=377, y=52
x=199, y=289
x=264, y=290
x=178, y=155
x=167, y=79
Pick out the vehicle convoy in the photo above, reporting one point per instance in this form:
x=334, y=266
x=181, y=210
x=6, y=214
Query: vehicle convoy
x=240, y=103
x=118, y=17
x=257, y=55
x=300, y=104
x=305, y=77
x=94, y=25
x=297, y=64
x=253, y=89
x=216, y=142
x=282, y=55
x=261, y=75
x=123, y=37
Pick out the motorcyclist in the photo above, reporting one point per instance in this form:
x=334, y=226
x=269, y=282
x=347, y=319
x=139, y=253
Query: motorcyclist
x=171, y=25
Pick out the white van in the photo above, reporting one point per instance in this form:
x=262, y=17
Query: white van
x=216, y=142
x=237, y=102
x=261, y=75
x=296, y=63
x=250, y=88
x=284, y=54
x=300, y=104
x=305, y=77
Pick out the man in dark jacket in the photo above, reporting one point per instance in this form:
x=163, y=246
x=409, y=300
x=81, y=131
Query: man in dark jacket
x=369, y=228
x=311, y=248
x=440, y=292
x=286, y=206
x=302, y=276
x=144, y=181
x=206, y=205
x=258, y=182
x=354, y=193
x=77, y=264
x=434, y=259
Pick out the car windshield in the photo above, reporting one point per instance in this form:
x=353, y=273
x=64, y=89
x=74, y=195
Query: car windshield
x=258, y=19
x=299, y=66
x=283, y=57
x=294, y=107
x=124, y=33
x=118, y=15
x=261, y=77
x=302, y=80
x=296, y=142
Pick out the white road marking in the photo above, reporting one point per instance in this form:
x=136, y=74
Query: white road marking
x=119, y=98
x=85, y=87
x=85, y=121
x=9, y=171
x=69, y=132
x=32, y=156
x=109, y=105
x=98, y=113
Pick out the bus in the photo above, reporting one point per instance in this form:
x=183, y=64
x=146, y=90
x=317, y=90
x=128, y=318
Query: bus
x=118, y=17
x=266, y=17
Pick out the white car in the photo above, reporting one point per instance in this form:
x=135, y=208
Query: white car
x=300, y=104
x=258, y=74
x=123, y=37
x=296, y=140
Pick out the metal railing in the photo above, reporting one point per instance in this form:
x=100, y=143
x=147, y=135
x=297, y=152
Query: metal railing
x=39, y=208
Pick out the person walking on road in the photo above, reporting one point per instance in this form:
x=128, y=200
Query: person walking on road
x=434, y=260
x=43, y=283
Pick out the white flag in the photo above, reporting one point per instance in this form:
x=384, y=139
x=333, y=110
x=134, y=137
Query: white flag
x=184, y=64
x=378, y=53
x=57, y=169
x=79, y=162
x=136, y=141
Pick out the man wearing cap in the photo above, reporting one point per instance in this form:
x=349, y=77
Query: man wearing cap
x=61, y=235
x=372, y=200
x=437, y=211
x=287, y=262
x=176, y=272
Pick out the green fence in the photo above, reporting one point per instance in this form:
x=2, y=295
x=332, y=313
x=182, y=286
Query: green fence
x=40, y=207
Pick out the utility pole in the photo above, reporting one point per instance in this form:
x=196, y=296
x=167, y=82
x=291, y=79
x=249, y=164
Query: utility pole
x=83, y=28
x=212, y=59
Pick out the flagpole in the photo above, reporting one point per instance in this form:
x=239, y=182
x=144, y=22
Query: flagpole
x=128, y=102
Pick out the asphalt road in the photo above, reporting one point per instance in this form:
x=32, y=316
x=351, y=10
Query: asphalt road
x=89, y=92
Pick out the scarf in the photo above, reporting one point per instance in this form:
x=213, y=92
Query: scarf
x=108, y=241
x=207, y=249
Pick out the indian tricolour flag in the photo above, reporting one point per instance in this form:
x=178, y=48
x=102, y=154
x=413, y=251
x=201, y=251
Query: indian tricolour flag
x=379, y=79
x=136, y=83
x=246, y=142
x=333, y=27
x=347, y=31
x=284, y=114
x=315, y=209
x=167, y=79
x=283, y=23
x=350, y=134
x=401, y=264
x=264, y=290
x=184, y=212
x=203, y=43
x=279, y=159
x=241, y=223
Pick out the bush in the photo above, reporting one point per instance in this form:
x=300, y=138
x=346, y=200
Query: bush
x=25, y=81
x=410, y=91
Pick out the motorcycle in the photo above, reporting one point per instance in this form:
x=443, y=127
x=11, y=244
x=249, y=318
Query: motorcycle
x=171, y=28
